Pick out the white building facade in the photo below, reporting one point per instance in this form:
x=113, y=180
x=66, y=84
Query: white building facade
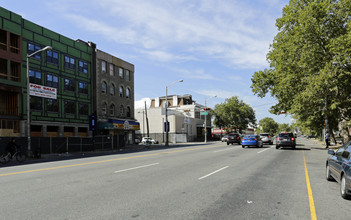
x=185, y=122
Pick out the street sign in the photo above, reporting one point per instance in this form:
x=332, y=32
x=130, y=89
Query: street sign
x=203, y=113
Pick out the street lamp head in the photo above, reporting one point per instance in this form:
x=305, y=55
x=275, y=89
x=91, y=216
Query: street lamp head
x=180, y=80
x=47, y=48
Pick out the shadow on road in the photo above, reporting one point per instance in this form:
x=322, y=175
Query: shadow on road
x=79, y=155
x=288, y=148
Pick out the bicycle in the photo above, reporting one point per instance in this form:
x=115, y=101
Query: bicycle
x=20, y=157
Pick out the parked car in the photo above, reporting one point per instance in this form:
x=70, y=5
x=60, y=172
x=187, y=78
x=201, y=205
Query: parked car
x=285, y=139
x=137, y=141
x=338, y=167
x=224, y=138
x=266, y=138
x=233, y=138
x=251, y=140
x=152, y=141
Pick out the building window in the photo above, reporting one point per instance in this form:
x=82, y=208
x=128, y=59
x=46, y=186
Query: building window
x=128, y=112
x=103, y=87
x=3, y=69
x=32, y=48
x=70, y=107
x=127, y=75
x=69, y=85
x=15, y=71
x=121, y=91
x=52, y=105
x=83, y=67
x=52, y=57
x=36, y=103
x=112, y=89
x=120, y=70
x=83, y=88
x=103, y=66
x=121, y=111
x=70, y=62
x=127, y=93
x=112, y=73
x=3, y=40
x=14, y=43
x=83, y=109
x=112, y=110
x=52, y=80
x=34, y=77
x=104, y=109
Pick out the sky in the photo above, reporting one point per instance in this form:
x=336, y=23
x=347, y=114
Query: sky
x=214, y=46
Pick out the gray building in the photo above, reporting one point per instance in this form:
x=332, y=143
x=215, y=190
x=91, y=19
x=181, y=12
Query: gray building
x=114, y=98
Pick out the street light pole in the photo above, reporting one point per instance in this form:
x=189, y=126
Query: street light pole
x=167, y=126
x=28, y=97
x=206, y=118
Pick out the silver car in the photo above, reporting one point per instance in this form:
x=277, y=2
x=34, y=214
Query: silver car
x=266, y=138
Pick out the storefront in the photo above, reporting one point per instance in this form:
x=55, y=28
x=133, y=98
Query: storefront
x=123, y=129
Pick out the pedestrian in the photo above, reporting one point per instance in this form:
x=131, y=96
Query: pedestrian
x=326, y=140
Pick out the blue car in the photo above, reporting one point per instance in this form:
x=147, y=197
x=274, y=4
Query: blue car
x=338, y=167
x=251, y=140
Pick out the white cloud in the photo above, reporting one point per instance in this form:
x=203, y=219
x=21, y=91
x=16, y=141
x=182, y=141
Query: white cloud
x=140, y=104
x=181, y=30
x=218, y=92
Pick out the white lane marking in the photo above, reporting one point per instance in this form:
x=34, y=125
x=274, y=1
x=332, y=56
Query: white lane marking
x=263, y=150
x=232, y=148
x=134, y=168
x=213, y=173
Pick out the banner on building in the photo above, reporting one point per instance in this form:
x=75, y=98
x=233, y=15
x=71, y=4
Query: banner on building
x=42, y=91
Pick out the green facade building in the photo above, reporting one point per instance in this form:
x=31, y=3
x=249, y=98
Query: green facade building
x=68, y=68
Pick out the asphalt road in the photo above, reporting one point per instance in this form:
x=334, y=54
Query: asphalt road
x=212, y=181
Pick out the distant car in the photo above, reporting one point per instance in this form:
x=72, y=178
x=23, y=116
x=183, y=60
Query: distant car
x=251, y=140
x=285, y=139
x=224, y=138
x=233, y=138
x=152, y=141
x=137, y=141
x=266, y=138
x=338, y=167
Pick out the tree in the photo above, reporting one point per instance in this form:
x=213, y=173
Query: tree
x=268, y=125
x=284, y=127
x=310, y=63
x=234, y=114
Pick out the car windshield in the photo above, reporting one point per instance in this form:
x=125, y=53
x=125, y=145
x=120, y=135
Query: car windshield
x=250, y=136
x=264, y=134
x=286, y=135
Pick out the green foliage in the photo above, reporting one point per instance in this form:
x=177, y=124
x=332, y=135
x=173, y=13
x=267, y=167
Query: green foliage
x=268, y=125
x=310, y=63
x=284, y=127
x=234, y=114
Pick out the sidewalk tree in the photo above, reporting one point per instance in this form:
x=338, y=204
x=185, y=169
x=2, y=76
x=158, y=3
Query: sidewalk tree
x=310, y=66
x=285, y=127
x=234, y=114
x=268, y=125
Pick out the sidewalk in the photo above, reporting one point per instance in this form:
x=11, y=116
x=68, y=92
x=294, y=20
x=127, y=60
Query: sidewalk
x=127, y=149
x=321, y=144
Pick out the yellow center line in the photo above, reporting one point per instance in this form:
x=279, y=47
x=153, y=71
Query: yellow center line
x=310, y=196
x=102, y=161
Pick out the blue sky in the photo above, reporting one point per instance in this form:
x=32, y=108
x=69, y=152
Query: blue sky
x=213, y=45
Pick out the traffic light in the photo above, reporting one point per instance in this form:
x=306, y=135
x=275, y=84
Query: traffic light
x=207, y=109
x=92, y=122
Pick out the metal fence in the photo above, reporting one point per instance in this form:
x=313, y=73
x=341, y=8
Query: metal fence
x=52, y=145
